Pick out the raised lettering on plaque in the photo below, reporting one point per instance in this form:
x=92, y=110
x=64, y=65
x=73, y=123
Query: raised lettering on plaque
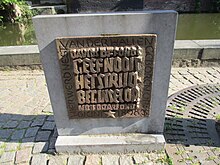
x=107, y=76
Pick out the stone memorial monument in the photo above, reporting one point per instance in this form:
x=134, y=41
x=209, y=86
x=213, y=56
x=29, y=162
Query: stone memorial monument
x=108, y=77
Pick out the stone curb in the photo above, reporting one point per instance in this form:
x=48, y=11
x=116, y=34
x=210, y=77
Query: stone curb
x=183, y=50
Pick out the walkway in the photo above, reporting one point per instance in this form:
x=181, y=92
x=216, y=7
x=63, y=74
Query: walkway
x=27, y=128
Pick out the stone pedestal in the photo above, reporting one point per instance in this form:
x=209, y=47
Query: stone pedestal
x=109, y=131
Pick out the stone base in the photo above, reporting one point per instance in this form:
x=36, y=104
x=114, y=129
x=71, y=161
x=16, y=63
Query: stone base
x=129, y=143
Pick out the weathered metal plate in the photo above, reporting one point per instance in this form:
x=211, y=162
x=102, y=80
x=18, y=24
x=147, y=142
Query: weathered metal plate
x=192, y=129
x=107, y=76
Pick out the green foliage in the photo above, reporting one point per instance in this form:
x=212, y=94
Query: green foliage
x=17, y=10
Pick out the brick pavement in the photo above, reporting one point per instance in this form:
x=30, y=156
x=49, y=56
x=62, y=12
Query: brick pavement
x=27, y=129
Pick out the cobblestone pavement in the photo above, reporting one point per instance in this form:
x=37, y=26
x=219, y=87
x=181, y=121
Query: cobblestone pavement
x=27, y=128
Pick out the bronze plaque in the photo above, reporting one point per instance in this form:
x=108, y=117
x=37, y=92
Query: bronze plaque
x=107, y=76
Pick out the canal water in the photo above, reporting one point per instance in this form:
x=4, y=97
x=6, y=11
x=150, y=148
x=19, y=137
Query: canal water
x=190, y=27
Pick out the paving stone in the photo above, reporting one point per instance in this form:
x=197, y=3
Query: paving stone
x=5, y=133
x=140, y=158
x=30, y=139
x=11, y=146
x=18, y=134
x=40, y=159
x=48, y=125
x=126, y=160
x=50, y=118
x=58, y=160
x=7, y=157
x=27, y=145
x=1, y=125
x=40, y=147
x=11, y=124
x=110, y=160
x=41, y=117
x=17, y=117
x=76, y=160
x=37, y=122
x=31, y=132
x=23, y=155
x=5, y=117
x=43, y=136
x=93, y=159
x=24, y=124
x=29, y=118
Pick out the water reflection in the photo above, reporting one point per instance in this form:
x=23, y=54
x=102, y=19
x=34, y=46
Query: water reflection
x=198, y=26
x=190, y=27
x=17, y=34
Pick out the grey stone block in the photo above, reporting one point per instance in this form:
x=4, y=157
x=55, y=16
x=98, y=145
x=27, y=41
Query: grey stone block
x=57, y=160
x=18, y=134
x=48, y=125
x=11, y=124
x=43, y=136
x=93, y=159
x=24, y=124
x=76, y=160
x=5, y=133
x=162, y=23
x=110, y=144
x=110, y=160
x=37, y=122
x=126, y=160
x=7, y=157
x=23, y=155
x=40, y=147
x=147, y=22
x=40, y=159
x=19, y=55
x=31, y=132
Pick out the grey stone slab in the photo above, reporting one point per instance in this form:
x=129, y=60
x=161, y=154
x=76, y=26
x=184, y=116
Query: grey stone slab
x=5, y=117
x=50, y=118
x=17, y=117
x=126, y=160
x=23, y=155
x=93, y=159
x=186, y=44
x=37, y=122
x=43, y=136
x=24, y=124
x=11, y=146
x=110, y=160
x=28, y=144
x=29, y=118
x=30, y=139
x=57, y=160
x=208, y=43
x=7, y=157
x=211, y=53
x=76, y=160
x=130, y=143
x=31, y=132
x=40, y=159
x=163, y=23
x=140, y=158
x=5, y=133
x=48, y=125
x=11, y=124
x=40, y=147
x=18, y=134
